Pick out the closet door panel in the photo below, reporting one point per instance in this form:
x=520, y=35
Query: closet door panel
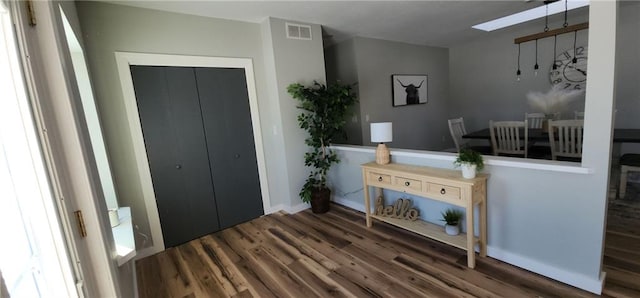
x=229, y=133
x=174, y=138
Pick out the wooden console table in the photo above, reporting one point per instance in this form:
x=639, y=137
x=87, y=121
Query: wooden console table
x=437, y=184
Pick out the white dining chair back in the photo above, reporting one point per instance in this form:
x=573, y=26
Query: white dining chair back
x=535, y=119
x=577, y=115
x=565, y=138
x=509, y=137
x=457, y=129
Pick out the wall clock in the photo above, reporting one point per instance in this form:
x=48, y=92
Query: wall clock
x=570, y=73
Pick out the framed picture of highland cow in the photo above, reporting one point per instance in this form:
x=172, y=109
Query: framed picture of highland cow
x=408, y=89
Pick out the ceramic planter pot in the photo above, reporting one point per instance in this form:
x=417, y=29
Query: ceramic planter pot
x=452, y=230
x=468, y=170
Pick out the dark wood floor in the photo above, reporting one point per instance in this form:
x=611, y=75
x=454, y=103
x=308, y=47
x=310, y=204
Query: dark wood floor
x=622, y=245
x=307, y=255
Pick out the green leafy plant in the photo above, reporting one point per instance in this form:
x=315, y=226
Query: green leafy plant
x=452, y=216
x=469, y=156
x=325, y=110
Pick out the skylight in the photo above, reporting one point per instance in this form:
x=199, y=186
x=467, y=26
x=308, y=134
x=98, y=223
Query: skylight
x=528, y=15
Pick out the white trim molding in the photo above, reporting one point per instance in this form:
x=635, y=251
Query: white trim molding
x=513, y=162
x=123, y=61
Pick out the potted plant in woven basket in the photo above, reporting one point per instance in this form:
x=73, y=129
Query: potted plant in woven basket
x=324, y=115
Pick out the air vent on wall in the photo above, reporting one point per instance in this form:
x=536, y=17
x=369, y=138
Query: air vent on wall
x=298, y=31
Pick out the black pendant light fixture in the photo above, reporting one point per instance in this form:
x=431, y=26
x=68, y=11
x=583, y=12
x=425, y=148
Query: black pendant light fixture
x=549, y=33
x=535, y=67
x=555, y=42
x=518, y=72
x=575, y=37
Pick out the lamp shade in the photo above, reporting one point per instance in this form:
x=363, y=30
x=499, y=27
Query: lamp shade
x=381, y=132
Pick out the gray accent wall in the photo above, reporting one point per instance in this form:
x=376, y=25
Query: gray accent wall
x=422, y=126
x=108, y=28
x=483, y=71
x=341, y=68
x=291, y=61
x=483, y=74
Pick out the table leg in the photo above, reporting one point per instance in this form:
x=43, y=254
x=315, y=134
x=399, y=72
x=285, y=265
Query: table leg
x=367, y=204
x=483, y=227
x=471, y=251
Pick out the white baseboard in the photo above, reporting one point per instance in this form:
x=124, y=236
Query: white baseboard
x=145, y=252
x=297, y=208
x=274, y=209
x=288, y=209
x=561, y=275
x=349, y=203
x=575, y=279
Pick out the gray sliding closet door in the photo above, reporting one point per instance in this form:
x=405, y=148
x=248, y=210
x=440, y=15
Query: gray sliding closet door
x=174, y=137
x=227, y=120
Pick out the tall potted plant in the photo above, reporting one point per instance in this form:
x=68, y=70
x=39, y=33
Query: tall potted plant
x=325, y=110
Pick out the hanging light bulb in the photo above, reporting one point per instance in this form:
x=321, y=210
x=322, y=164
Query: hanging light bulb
x=535, y=67
x=555, y=39
x=518, y=72
x=575, y=37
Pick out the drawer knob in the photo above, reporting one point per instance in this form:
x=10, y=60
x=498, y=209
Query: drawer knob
x=178, y=167
x=407, y=183
x=443, y=191
x=380, y=179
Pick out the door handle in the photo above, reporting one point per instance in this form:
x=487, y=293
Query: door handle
x=178, y=167
x=237, y=156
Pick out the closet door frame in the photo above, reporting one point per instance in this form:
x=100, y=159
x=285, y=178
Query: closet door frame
x=123, y=61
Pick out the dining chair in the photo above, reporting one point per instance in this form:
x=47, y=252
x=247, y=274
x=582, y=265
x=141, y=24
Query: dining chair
x=565, y=138
x=628, y=163
x=535, y=119
x=506, y=138
x=457, y=130
x=577, y=115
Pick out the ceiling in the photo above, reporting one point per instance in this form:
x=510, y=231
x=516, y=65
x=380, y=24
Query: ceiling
x=432, y=23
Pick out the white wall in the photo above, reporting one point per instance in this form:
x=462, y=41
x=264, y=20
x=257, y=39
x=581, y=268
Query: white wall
x=422, y=126
x=291, y=61
x=108, y=28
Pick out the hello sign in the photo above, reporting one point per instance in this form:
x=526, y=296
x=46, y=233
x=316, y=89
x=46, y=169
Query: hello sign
x=400, y=209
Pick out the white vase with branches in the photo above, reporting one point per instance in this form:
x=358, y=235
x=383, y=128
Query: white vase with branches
x=554, y=101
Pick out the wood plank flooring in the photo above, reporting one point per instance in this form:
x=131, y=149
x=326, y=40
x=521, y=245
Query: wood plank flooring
x=334, y=254
x=622, y=245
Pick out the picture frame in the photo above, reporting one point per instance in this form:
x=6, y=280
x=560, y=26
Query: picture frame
x=409, y=89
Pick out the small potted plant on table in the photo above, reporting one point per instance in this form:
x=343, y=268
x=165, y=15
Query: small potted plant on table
x=470, y=161
x=452, y=217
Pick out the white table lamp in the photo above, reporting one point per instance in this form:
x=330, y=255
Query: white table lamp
x=382, y=133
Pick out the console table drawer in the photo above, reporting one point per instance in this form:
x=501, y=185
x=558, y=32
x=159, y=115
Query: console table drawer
x=408, y=183
x=443, y=191
x=378, y=178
